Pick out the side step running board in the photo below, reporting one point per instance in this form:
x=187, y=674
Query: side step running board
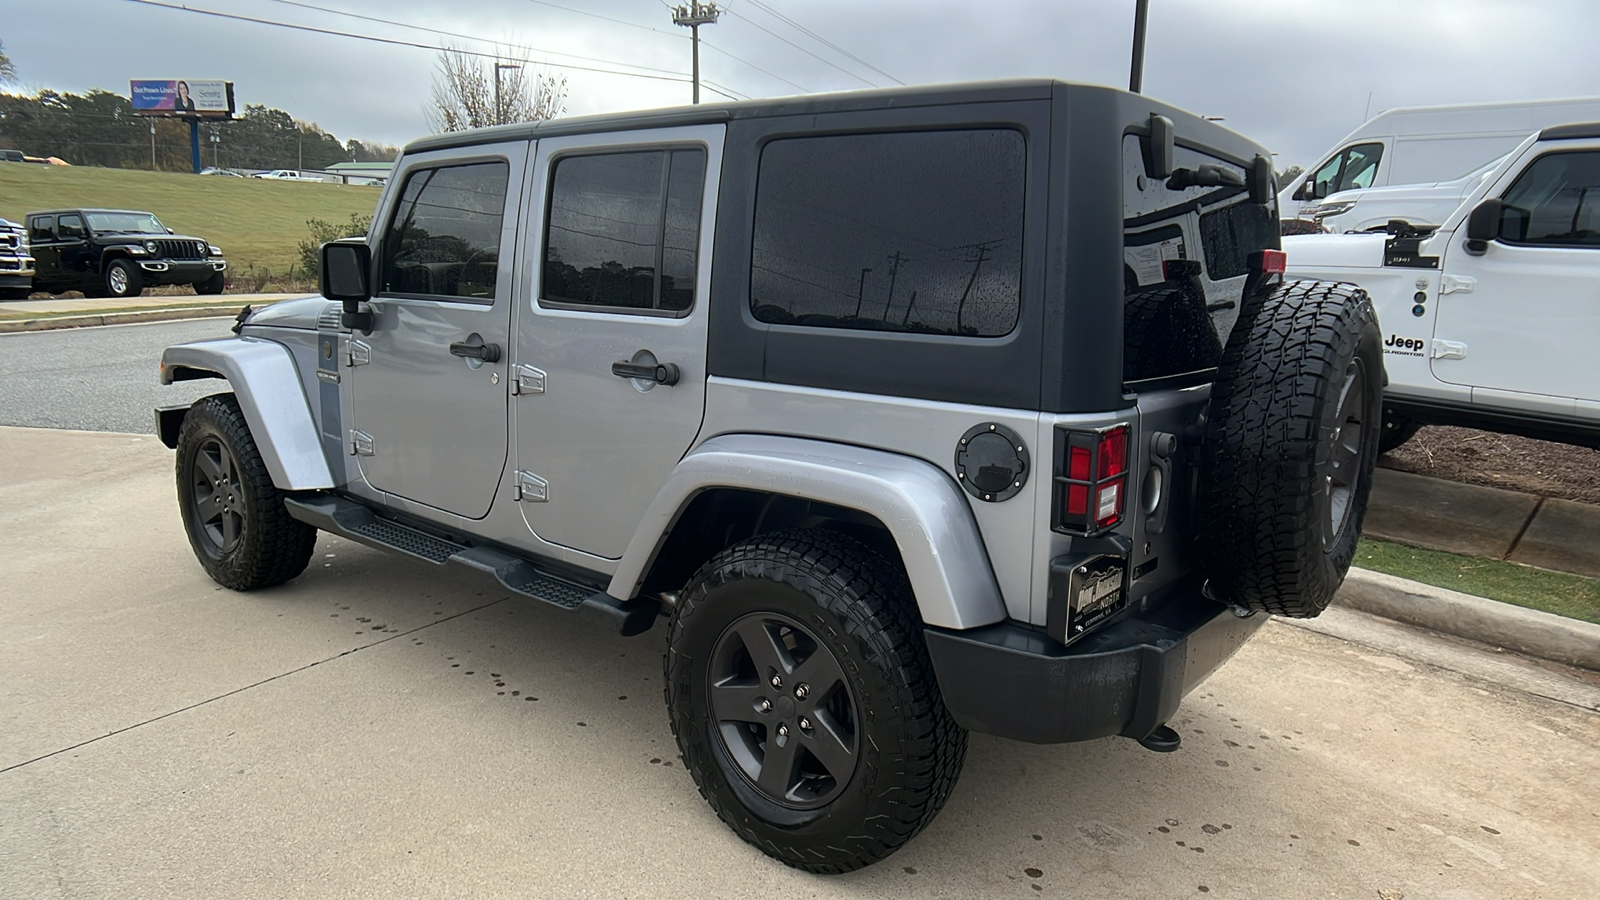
x=521, y=577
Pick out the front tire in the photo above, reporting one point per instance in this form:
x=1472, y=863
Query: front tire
x=123, y=279
x=212, y=285
x=237, y=523
x=804, y=703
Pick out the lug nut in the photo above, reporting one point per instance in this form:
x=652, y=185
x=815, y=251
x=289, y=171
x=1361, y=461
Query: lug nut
x=777, y=683
x=783, y=731
x=805, y=724
x=801, y=690
x=765, y=705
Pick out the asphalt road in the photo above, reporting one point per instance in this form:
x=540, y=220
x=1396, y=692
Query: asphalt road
x=376, y=728
x=97, y=379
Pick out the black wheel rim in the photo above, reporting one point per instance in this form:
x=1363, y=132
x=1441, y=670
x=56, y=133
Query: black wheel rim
x=782, y=709
x=218, y=503
x=1344, y=463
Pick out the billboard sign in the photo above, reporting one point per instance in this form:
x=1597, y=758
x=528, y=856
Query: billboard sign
x=182, y=97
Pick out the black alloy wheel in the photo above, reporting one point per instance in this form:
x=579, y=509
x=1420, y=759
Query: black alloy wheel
x=217, y=497
x=783, y=710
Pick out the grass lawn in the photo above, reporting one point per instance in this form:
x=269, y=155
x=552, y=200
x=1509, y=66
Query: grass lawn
x=1554, y=592
x=257, y=223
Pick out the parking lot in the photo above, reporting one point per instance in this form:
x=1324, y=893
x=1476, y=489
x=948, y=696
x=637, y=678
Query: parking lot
x=376, y=729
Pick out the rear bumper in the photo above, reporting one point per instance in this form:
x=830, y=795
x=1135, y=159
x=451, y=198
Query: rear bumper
x=1125, y=679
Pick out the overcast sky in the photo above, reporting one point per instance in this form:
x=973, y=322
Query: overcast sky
x=1296, y=75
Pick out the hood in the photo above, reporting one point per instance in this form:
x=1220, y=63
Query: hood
x=120, y=238
x=1334, y=251
x=301, y=312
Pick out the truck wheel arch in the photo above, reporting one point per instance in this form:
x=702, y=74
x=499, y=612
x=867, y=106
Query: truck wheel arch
x=908, y=509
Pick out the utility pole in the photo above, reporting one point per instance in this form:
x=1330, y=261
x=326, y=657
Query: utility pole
x=692, y=17
x=499, y=111
x=894, y=273
x=861, y=286
x=152, y=145
x=961, y=306
x=1141, y=12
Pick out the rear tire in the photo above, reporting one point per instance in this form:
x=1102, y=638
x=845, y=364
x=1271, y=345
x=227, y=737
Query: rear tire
x=868, y=753
x=1291, y=438
x=123, y=279
x=237, y=523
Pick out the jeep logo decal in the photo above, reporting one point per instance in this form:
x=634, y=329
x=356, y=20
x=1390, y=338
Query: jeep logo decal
x=1405, y=345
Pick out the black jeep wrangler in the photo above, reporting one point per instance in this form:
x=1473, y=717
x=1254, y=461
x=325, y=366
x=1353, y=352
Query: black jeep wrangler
x=118, y=253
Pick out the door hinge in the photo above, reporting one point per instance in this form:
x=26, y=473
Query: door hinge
x=360, y=353
x=1453, y=284
x=528, y=380
x=360, y=443
x=532, y=488
x=1448, y=349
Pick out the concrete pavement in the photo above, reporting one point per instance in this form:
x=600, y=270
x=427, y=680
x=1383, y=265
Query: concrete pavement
x=366, y=731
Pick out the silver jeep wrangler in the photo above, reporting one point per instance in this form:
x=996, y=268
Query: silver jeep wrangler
x=976, y=407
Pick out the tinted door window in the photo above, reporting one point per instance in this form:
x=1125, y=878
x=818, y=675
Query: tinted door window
x=43, y=230
x=444, y=237
x=913, y=231
x=70, y=227
x=1354, y=167
x=1555, y=202
x=624, y=230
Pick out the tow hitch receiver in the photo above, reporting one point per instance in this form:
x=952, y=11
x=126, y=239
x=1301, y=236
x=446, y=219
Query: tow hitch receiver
x=1162, y=740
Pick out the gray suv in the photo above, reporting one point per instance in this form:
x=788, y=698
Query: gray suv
x=916, y=412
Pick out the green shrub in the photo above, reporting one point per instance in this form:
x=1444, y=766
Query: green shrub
x=323, y=232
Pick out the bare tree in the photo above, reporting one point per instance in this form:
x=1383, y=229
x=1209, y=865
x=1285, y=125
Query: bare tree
x=8, y=70
x=464, y=92
x=1288, y=175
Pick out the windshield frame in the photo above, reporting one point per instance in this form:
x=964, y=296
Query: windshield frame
x=106, y=222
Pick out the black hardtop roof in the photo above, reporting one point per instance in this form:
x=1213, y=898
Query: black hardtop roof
x=88, y=209
x=809, y=104
x=1569, y=132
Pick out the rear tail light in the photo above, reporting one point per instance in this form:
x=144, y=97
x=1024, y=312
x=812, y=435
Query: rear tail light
x=1271, y=262
x=1091, y=479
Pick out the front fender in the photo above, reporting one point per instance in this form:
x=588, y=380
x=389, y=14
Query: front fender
x=264, y=379
x=923, y=509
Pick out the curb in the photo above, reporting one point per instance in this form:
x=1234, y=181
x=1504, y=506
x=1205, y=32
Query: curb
x=52, y=323
x=1543, y=635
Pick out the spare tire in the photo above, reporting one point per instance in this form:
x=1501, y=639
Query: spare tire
x=1291, y=437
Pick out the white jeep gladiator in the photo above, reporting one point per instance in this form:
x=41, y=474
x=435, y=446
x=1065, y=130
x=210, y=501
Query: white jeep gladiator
x=1490, y=321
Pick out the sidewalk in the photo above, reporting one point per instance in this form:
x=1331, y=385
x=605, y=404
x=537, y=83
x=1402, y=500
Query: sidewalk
x=54, y=313
x=1484, y=522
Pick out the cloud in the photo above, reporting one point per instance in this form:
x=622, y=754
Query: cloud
x=1295, y=76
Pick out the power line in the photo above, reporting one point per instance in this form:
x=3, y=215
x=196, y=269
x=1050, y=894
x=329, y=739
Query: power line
x=820, y=39
x=584, y=12
x=752, y=65
x=469, y=37
x=396, y=41
x=809, y=53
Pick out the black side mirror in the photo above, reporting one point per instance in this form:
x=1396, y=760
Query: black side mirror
x=1263, y=183
x=1319, y=190
x=1483, y=224
x=1161, y=148
x=345, y=265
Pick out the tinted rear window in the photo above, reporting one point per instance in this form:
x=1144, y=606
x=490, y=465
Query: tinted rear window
x=1185, y=255
x=909, y=231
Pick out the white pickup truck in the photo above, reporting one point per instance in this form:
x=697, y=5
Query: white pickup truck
x=1492, y=320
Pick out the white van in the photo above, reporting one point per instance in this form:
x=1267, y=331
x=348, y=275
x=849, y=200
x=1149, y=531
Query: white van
x=1426, y=144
